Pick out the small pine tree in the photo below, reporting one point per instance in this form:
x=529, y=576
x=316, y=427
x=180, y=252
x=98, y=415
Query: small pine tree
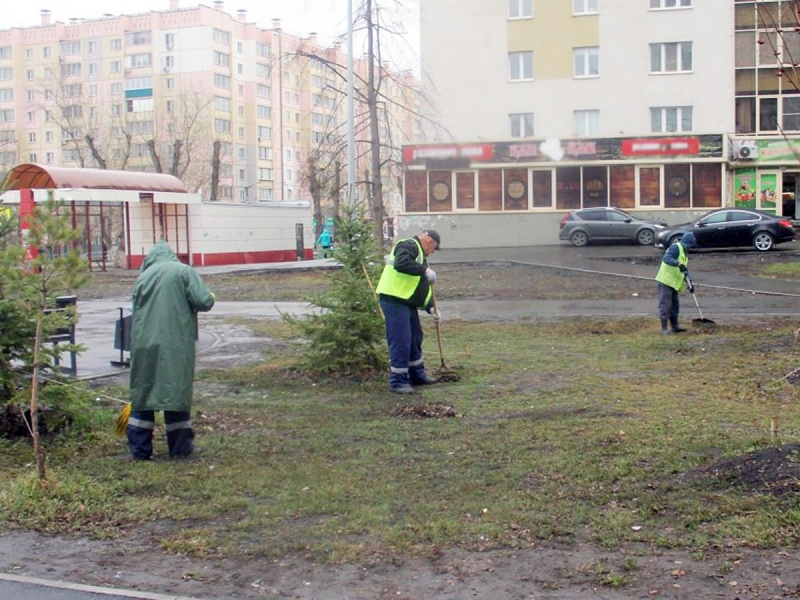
x=346, y=336
x=32, y=284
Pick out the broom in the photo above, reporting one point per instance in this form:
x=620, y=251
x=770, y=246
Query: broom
x=122, y=420
x=444, y=373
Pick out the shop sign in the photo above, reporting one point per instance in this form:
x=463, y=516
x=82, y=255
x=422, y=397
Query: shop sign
x=554, y=150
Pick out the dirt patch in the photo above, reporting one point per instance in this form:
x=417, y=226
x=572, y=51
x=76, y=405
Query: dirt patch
x=774, y=471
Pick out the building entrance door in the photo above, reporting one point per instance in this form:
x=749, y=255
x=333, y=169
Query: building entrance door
x=789, y=196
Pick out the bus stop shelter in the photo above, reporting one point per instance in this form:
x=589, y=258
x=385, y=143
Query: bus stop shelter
x=114, y=210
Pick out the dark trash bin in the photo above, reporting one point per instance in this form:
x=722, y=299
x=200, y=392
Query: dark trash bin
x=122, y=339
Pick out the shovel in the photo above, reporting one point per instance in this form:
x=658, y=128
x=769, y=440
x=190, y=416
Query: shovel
x=702, y=321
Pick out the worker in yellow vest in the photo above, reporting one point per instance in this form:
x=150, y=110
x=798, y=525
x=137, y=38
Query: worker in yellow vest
x=672, y=279
x=405, y=286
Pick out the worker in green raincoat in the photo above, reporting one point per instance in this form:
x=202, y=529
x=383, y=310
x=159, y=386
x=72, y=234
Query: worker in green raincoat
x=167, y=296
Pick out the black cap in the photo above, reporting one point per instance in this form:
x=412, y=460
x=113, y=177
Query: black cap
x=434, y=235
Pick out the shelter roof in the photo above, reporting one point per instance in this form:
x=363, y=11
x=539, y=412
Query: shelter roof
x=31, y=176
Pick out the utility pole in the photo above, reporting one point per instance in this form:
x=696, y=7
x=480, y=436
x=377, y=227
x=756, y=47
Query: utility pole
x=351, y=148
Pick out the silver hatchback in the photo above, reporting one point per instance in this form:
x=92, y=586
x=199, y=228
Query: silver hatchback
x=582, y=227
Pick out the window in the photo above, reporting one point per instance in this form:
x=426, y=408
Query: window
x=137, y=105
x=222, y=103
x=70, y=70
x=32, y=137
x=135, y=61
x=115, y=89
x=7, y=95
x=169, y=40
x=222, y=126
x=46, y=52
x=169, y=61
x=137, y=38
x=93, y=69
x=7, y=116
x=665, y=119
x=586, y=62
x=791, y=113
x=263, y=91
x=48, y=137
x=30, y=76
x=520, y=9
x=115, y=44
x=116, y=110
x=70, y=48
x=50, y=158
x=520, y=66
x=584, y=7
x=28, y=53
x=264, y=153
x=32, y=116
x=587, y=122
x=6, y=74
x=262, y=50
x=673, y=57
x=92, y=47
x=170, y=106
x=670, y=3
x=263, y=112
x=222, y=81
x=222, y=60
x=521, y=124
x=115, y=66
x=72, y=111
x=262, y=70
x=222, y=37
x=170, y=83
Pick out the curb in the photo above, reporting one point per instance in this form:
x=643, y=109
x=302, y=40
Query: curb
x=77, y=587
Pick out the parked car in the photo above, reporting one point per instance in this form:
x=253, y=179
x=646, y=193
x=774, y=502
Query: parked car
x=731, y=228
x=589, y=225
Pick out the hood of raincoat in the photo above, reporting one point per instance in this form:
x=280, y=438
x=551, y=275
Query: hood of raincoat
x=160, y=251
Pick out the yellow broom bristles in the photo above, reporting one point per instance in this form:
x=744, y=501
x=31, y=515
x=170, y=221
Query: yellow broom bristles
x=122, y=420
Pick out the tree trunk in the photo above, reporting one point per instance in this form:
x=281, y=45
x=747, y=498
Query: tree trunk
x=38, y=449
x=215, y=170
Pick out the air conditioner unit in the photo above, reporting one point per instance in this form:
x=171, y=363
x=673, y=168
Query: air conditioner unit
x=744, y=150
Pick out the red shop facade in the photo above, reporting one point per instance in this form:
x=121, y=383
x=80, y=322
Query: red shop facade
x=652, y=173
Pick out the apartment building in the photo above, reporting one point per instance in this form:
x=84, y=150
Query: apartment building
x=232, y=108
x=547, y=106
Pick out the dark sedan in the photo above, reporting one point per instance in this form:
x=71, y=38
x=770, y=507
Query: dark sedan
x=732, y=228
x=607, y=224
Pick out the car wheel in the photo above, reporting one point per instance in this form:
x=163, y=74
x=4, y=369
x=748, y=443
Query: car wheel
x=763, y=241
x=645, y=237
x=675, y=238
x=579, y=238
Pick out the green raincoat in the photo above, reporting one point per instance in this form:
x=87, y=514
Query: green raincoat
x=167, y=296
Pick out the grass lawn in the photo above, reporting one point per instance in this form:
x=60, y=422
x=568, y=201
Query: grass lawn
x=571, y=430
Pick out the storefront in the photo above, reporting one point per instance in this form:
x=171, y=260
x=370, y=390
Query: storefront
x=765, y=174
x=529, y=182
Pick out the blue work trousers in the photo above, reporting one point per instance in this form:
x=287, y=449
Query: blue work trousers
x=180, y=435
x=404, y=339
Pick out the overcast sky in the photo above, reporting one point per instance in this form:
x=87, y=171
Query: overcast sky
x=328, y=18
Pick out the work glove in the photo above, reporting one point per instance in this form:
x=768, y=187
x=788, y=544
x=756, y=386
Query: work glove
x=690, y=287
x=430, y=275
x=683, y=268
x=437, y=316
